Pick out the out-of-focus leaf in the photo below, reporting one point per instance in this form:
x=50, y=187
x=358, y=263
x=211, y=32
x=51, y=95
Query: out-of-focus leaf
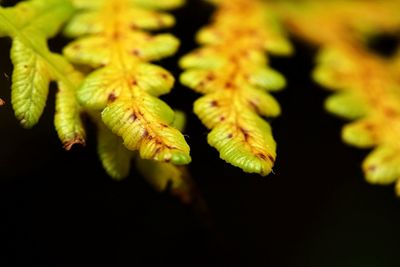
x=366, y=85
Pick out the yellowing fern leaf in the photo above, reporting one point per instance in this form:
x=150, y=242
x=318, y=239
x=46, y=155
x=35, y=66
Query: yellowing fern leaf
x=370, y=84
x=231, y=70
x=29, y=24
x=116, y=160
x=367, y=86
x=112, y=40
x=169, y=177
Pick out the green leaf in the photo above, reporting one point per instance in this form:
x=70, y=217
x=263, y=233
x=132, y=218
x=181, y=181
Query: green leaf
x=30, y=83
x=29, y=24
x=116, y=159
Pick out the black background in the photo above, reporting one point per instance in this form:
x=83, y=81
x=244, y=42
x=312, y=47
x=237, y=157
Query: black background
x=59, y=208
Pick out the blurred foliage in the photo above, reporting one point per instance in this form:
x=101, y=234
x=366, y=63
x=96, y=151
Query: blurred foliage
x=366, y=85
x=230, y=69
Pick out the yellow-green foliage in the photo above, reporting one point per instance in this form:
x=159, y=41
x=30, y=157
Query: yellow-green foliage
x=166, y=176
x=231, y=70
x=122, y=84
x=116, y=160
x=119, y=88
x=367, y=86
x=112, y=40
x=30, y=24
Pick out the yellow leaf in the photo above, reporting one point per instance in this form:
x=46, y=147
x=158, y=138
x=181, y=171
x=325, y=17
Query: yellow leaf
x=367, y=86
x=231, y=70
x=111, y=39
x=144, y=126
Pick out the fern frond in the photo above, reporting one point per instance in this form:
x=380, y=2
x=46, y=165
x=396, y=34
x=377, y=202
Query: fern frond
x=116, y=160
x=373, y=91
x=30, y=24
x=124, y=86
x=367, y=86
x=231, y=70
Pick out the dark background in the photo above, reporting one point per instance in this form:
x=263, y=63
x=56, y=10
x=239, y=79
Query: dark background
x=59, y=208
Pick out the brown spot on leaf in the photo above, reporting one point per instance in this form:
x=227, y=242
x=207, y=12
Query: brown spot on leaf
x=158, y=142
x=133, y=116
x=222, y=118
x=265, y=157
x=116, y=35
x=134, y=82
x=369, y=126
x=214, y=103
x=169, y=147
x=254, y=106
x=230, y=136
x=145, y=134
x=164, y=76
x=371, y=168
x=271, y=158
x=112, y=97
x=391, y=113
x=262, y=156
x=210, y=77
x=158, y=150
x=229, y=85
x=245, y=133
x=136, y=52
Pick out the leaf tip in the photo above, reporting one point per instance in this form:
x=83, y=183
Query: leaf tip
x=180, y=159
x=78, y=140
